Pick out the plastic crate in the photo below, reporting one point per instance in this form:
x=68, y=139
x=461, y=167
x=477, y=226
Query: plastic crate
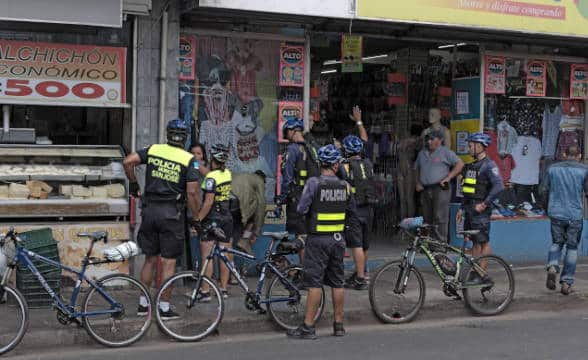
x=53, y=274
x=37, y=238
x=41, y=266
x=30, y=285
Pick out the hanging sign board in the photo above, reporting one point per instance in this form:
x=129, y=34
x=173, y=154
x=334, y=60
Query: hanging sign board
x=292, y=65
x=495, y=75
x=62, y=74
x=536, y=78
x=351, y=53
x=579, y=82
x=187, y=59
x=288, y=110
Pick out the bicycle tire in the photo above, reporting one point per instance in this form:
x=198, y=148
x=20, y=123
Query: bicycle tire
x=469, y=294
x=296, y=309
x=182, y=284
x=13, y=297
x=383, y=288
x=135, y=325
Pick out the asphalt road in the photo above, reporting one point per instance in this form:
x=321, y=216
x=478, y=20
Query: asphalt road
x=532, y=335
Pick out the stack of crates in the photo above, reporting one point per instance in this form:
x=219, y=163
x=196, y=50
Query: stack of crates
x=41, y=242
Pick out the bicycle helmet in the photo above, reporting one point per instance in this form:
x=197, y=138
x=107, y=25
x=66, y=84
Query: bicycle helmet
x=481, y=138
x=292, y=124
x=177, y=132
x=329, y=154
x=352, y=144
x=220, y=153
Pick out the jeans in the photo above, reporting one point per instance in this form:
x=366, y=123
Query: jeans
x=568, y=233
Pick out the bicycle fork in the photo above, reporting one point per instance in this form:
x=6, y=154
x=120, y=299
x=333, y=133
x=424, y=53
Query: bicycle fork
x=5, y=279
x=405, y=266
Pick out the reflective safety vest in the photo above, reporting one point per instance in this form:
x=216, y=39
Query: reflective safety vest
x=473, y=186
x=327, y=212
x=166, y=172
x=306, y=166
x=222, y=188
x=360, y=174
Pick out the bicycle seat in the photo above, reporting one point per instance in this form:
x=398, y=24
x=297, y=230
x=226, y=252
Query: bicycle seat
x=277, y=235
x=95, y=236
x=468, y=232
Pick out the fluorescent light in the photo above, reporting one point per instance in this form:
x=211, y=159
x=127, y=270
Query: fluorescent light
x=329, y=71
x=451, y=46
x=375, y=57
x=332, y=62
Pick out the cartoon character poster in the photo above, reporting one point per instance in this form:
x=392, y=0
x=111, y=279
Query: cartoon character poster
x=579, y=81
x=288, y=110
x=233, y=101
x=495, y=75
x=292, y=65
x=536, y=78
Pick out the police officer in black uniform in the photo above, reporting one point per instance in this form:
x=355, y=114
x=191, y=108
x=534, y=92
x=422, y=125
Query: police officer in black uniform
x=215, y=208
x=326, y=201
x=171, y=182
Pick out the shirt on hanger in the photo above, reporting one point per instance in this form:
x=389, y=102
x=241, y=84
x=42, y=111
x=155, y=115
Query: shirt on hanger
x=506, y=137
x=505, y=164
x=492, y=150
x=526, y=154
x=567, y=138
x=551, y=121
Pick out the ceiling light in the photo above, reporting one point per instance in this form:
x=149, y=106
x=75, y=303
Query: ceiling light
x=451, y=46
x=329, y=71
x=331, y=62
x=375, y=57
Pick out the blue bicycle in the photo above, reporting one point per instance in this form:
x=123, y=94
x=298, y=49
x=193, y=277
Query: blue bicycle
x=201, y=311
x=109, y=311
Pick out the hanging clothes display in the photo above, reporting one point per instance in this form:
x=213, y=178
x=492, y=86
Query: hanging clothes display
x=551, y=120
x=506, y=137
x=526, y=154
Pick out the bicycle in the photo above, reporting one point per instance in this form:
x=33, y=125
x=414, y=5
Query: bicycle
x=284, y=297
x=397, y=289
x=105, y=306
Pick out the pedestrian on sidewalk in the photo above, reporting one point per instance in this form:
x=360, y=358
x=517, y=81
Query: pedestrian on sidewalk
x=565, y=182
x=326, y=200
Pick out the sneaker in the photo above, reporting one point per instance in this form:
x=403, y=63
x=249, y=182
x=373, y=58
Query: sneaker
x=350, y=279
x=338, y=329
x=203, y=297
x=224, y=293
x=168, y=315
x=566, y=289
x=551, y=274
x=142, y=310
x=302, y=332
x=357, y=284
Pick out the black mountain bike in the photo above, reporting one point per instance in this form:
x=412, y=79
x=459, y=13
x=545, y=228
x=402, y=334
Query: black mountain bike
x=397, y=289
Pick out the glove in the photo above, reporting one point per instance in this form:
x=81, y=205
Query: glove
x=134, y=189
x=196, y=225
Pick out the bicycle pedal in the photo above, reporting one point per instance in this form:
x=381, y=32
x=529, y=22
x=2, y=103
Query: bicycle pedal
x=261, y=311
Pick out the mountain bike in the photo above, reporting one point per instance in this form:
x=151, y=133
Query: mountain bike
x=397, y=289
x=108, y=312
x=284, y=298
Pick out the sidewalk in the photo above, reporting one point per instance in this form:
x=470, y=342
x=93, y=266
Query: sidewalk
x=530, y=293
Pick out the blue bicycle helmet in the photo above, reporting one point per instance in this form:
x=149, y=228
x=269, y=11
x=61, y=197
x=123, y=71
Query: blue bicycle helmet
x=481, y=138
x=352, y=144
x=292, y=124
x=177, y=132
x=329, y=154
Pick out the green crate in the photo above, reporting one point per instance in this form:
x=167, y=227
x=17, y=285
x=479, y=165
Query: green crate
x=41, y=266
x=30, y=285
x=53, y=274
x=37, y=238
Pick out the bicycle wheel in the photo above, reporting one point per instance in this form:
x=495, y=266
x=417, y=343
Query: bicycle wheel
x=392, y=307
x=490, y=299
x=121, y=328
x=290, y=314
x=196, y=322
x=15, y=318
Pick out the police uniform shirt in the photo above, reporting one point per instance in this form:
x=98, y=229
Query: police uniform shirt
x=489, y=174
x=169, y=168
x=218, y=183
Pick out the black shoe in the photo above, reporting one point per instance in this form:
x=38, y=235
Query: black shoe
x=302, y=332
x=203, y=297
x=566, y=289
x=357, y=284
x=142, y=310
x=338, y=329
x=551, y=275
x=350, y=279
x=168, y=315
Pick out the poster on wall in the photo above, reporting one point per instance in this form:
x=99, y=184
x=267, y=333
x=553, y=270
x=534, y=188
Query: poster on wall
x=187, y=58
x=536, y=78
x=34, y=73
x=351, y=53
x=292, y=65
x=579, y=82
x=495, y=75
x=288, y=110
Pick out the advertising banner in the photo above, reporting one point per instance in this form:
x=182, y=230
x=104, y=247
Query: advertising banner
x=579, y=82
x=555, y=17
x=61, y=74
x=292, y=65
x=351, y=53
x=187, y=59
x=287, y=110
x=536, y=78
x=495, y=75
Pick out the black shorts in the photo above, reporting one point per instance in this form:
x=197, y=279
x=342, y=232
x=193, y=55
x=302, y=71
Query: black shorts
x=357, y=233
x=295, y=223
x=162, y=231
x=323, y=261
x=478, y=221
x=225, y=223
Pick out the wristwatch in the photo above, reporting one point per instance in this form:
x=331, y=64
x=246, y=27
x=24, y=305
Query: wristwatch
x=359, y=123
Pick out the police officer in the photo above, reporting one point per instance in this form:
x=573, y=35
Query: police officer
x=299, y=164
x=481, y=185
x=359, y=173
x=325, y=202
x=215, y=208
x=171, y=181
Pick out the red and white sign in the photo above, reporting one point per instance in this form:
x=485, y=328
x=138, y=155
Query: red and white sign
x=287, y=110
x=292, y=65
x=187, y=59
x=579, y=82
x=62, y=74
x=495, y=75
x=536, y=78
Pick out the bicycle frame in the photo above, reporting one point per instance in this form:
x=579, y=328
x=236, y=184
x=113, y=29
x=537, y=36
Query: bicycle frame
x=24, y=256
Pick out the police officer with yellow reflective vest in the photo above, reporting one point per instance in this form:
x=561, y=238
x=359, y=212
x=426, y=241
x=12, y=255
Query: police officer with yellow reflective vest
x=215, y=208
x=359, y=173
x=298, y=165
x=481, y=185
x=326, y=201
x=171, y=182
